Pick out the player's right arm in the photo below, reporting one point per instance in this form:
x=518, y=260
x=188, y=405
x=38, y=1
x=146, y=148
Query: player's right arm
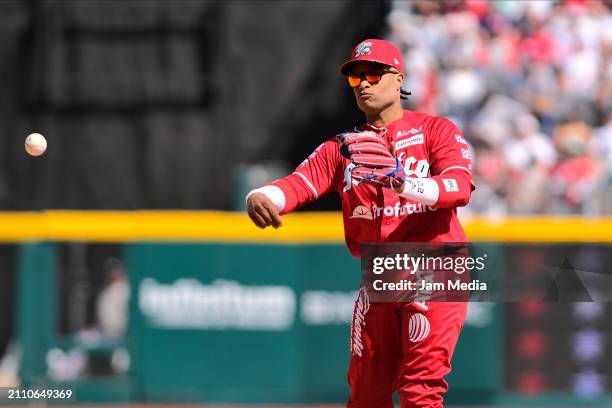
x=313, y=178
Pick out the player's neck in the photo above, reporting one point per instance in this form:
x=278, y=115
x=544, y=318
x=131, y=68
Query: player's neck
x=388, y=115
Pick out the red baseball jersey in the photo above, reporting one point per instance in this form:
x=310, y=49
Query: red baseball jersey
x=428, y=146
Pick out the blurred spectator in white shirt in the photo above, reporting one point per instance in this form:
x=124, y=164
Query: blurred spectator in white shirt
x=112, y=303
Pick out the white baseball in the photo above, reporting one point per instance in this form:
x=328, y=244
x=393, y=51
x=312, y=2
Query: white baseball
x=35, y=144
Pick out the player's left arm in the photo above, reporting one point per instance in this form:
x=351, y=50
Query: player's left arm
x=450, y=183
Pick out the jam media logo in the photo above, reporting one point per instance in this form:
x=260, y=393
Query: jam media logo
x=363, y=49
x=361, y=211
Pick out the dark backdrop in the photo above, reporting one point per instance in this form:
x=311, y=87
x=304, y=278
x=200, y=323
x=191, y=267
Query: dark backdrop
x=154, y=104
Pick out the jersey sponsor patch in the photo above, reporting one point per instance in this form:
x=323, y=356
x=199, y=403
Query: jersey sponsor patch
x=397, y=210
x=416, y=139
x=418, y=328
x=450, y=185
x=361, y=211
x=460, y=139
x=413, y=131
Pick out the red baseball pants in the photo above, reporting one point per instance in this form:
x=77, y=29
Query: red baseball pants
x=404, y=347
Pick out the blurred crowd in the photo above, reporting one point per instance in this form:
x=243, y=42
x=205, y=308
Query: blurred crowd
x=530, y=85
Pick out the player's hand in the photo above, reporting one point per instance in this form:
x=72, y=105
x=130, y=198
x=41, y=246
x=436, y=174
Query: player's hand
x=262, y=211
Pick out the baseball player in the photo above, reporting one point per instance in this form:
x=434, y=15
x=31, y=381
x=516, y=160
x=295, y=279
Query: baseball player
x=400, y=176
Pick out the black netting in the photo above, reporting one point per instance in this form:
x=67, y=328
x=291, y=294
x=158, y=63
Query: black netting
x=154, y=104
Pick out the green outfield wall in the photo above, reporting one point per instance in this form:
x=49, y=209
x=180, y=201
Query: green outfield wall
x=260, y=323
x=235, y=323
x=214, y=318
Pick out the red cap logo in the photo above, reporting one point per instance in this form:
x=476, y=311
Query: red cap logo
x=377, y=51
x=363, y=49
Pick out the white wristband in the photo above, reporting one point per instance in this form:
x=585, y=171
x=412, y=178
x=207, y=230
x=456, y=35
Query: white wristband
x=423, y=190
x=275, y=194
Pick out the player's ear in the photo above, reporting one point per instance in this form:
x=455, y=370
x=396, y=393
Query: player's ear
x=400, y=80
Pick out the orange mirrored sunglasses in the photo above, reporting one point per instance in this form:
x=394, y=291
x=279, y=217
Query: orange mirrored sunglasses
x=354, y=79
